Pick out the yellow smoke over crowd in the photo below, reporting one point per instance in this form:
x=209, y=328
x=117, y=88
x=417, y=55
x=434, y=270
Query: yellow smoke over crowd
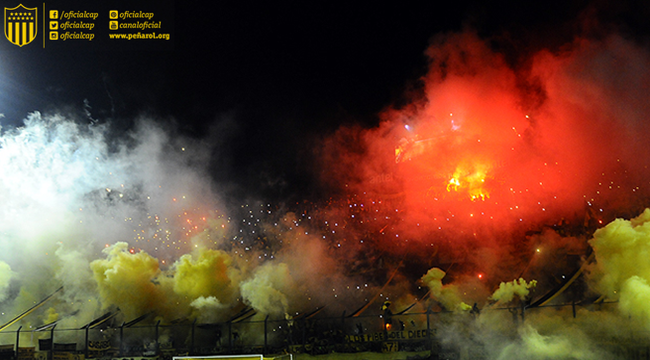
x=622, y=272
x=211, y=283
x=128, y=280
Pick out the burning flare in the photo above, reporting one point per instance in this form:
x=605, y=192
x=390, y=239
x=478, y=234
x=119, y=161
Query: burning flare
x=470, y=180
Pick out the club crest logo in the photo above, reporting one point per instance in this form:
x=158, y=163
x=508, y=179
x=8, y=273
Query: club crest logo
x=20, y=25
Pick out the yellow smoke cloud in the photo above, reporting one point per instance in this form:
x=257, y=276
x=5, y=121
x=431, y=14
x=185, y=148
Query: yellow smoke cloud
x=50, y=316
x=447, y=295
x=508, y=290
x=201, y=284
x=127, y=280
x=622, y=270
x=208, y=280
x=209, y=273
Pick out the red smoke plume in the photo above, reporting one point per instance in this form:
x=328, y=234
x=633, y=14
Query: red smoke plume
x=486, y=153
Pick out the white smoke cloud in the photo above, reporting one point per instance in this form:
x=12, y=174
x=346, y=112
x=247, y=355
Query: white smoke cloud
x=69, y=191
x=266, y=290
x=133, y=224
x=572, y=344
x=5, y=279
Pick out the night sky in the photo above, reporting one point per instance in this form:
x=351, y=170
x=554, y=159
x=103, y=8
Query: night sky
x=263, y=83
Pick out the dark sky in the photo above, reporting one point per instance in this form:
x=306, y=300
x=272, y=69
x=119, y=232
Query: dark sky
x=265, y=81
